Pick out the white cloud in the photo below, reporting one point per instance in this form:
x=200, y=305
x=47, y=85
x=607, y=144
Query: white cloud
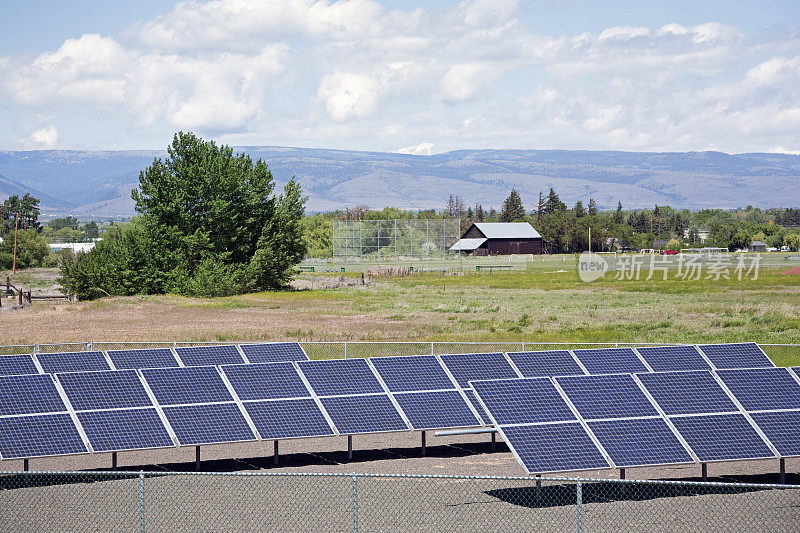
x=46, y=137
x=419, y=149
x=349, y=96
x=623, y=32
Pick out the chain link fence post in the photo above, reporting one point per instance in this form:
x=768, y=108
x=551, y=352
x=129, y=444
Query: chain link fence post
x=579, y=505
x=141, y=504
x=355, y=503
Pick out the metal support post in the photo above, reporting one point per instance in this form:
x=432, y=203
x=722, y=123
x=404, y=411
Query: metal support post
x=494, y=441
x=26, y=465
x=349, y=447
x=622, y=473
x=579, y=505
x=197, y=458
x=782, y=471
x=423, y=443
x=141, y=503
x=345, y=349
x=114, y=461
x=704, y=471
x=622, y=485
x=355, y=503
x=275, y=454
x=538, y=488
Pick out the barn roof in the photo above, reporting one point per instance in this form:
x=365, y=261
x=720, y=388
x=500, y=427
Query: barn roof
x=467, y=244
x=507, y=230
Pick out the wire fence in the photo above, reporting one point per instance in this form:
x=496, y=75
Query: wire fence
x=138, y=501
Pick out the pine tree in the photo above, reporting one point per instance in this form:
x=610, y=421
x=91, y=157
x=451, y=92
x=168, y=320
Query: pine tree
x=540, y=206
x=479, y=214
x=592, y=207
x=512, y=208
x=618, y=216
x=553, y=203
x=578, y=210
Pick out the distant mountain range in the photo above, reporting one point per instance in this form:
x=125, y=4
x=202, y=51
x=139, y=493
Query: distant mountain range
x=94, y=185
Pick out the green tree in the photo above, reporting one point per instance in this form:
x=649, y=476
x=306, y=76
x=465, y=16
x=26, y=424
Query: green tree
x=578, y=211
x=513, y=209
x=31, y=250
x=592, y=210
x=619, y=217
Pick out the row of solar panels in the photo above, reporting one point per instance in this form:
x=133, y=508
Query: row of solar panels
x=229, y=354
x=625, y=420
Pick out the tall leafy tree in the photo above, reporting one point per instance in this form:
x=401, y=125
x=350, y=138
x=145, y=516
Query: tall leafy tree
x=512, y=208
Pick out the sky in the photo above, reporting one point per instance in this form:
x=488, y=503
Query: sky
x=403, y=76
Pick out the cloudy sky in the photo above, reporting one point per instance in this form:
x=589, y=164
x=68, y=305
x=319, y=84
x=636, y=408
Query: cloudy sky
x=418, y=77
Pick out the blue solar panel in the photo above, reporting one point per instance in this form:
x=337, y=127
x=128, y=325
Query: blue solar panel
x=363, y=414
x=640, y=442
x=72, y=362
x=104, y=390
x=266, y=381
x=12, y=365
x=208, y=424
x=763, y=389
x=435, y=410
x=340, y=376
x=721, y=437
x=414, y=373
x=546, y=364
x=201, y=384
x=39, y=436
x=284, y=419
x=478, y=366
x=473, y=399
x=796, y=370
x=554, y=448
x=210, y=355
x=125, y=429
x=683, y=393
x=154, y=358
x=29, y=394
x=670, y=358
x=521, y=401
x=273, y=352
x=782, y=429
x=610, y=360
x=743, y=355
x=616, y=396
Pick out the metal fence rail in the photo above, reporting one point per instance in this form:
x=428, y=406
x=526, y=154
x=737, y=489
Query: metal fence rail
x=138, y=501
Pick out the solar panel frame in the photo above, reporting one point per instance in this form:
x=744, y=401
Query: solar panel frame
x=186, y=385
x=673, y=358
x=59, y=428
x=782, y=429
x=438, y=409
x=135, y=423
x=58, y=362
x=214, y=429
x=265, y=413
x=17, y=364
x=610, y=360
x=364, y=413
x=143, y=358
x=266, y=381
x=762, y=389
x=618, y=439
x=702, y=432
x=107, y=389
x=340, y=377
x=478, y=367
x=598, y=397
x=503, y=399
x=736, y=355
x=224, y=354
x=30, y=394
x=547, y=363
x=412, y=373
x=685, y=393
x=273, y=352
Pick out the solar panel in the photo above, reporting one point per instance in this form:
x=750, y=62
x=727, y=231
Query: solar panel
x=340, y=376
x=522, y=401
x=210, y=355
x=72, y=362
x=478, y=366
x=796, y=370
x=721, y=437
x=284, y=419
x=173, y=386
x=670, y=358
x=12, y=365
x=742, y=355
x=782, y=429
x=412, y=373
x=266, y=381
x=39, y=436
x=763, y=389
x=124, y=429
x=208, y=424
x=558, y=447
x=154, y=358
x=363, y=414
x=104, y=390
x=546, y=364
x=436, y=409
x=679, y=393
x=610, y=360
x=640, y=442
x=613, y=396
x=273, y=352
x=29, y=394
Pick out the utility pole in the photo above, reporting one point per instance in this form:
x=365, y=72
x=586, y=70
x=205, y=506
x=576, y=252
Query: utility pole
x=590, y=239
x=16, y=229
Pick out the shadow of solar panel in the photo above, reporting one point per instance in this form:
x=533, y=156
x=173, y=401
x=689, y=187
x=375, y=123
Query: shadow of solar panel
x=104, y=390
x=208, y=424
x=742, y=355
x=610, y=360
x=53, y=363
x=614, y=396
x=134, y=359
x=266, y=381
x=273, y=352
x=671, y=358
x=640, y=442
x=340, y=376
x=523, y=401
x=763, y=389
x=436, y=410
x=39, y=436
x=680, y=393
x=173, y=386
x=285, y=419
x=29, y=394
x=546, y=363
x=13, y=365
x=209, y=355
x=561, y=447
x=478, y=366
x=126, y=429
x=782, y=429
x=412, y=373
x=721, y=437
x=364, y=414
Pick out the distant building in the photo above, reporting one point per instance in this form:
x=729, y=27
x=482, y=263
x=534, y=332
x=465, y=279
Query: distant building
x=499, y=238
x=757, y=246
x=74, y=247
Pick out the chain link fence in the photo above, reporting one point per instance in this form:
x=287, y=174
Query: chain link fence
x=132, y=501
